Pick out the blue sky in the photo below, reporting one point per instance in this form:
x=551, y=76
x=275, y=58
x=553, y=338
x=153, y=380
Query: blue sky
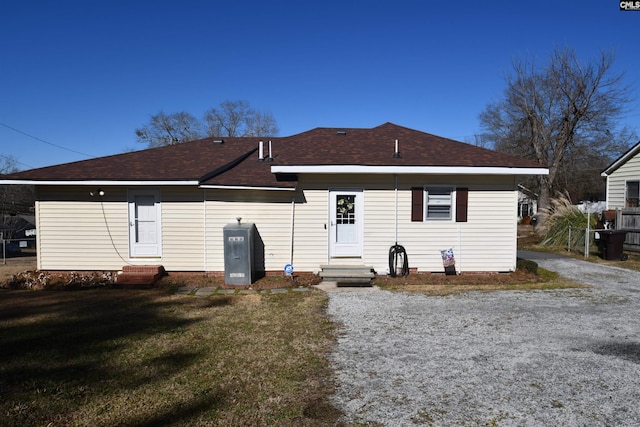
x=83, y=75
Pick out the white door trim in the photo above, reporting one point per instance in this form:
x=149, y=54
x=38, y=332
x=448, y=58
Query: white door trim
x=145, y=224
x=346, y=230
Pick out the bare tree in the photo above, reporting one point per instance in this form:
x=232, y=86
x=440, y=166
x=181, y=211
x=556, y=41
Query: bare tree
x=231, y=118
x=14, y=199
x=238, y=118
x=169, y=129
x=8, y=164
x=562, y=108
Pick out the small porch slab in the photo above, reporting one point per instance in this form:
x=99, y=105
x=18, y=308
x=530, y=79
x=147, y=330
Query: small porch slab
x=347, y=275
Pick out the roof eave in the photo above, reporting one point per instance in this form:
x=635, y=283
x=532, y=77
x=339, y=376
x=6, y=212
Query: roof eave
x=96, y=182
x=404, y=170
x=247, y=187
x=621, y=160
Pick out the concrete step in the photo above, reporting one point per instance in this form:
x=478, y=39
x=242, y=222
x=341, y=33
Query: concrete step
x=347, y=275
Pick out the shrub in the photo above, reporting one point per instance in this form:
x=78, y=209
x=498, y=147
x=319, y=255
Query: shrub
x=527, y=265
x=558, y=217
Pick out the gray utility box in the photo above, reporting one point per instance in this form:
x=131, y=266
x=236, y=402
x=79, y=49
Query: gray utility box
x=239, y=250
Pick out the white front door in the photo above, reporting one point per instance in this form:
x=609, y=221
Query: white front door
x=345, y=218
x=144, y=224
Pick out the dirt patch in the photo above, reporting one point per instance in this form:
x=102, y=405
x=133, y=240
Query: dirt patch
x=516, y=277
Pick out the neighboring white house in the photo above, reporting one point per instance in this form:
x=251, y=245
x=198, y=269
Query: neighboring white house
x=527, y=202
x=623, y=180
x=623, y=194
x=325, y=196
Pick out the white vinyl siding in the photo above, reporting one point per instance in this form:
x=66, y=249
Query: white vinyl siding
x=72, y=234
x=182, y=229
x=486, y=242
x=270, y=211
x=72, y=231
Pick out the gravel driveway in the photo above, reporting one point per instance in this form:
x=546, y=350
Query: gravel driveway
x=542, y=358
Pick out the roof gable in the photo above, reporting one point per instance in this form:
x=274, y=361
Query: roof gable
x=621, y=160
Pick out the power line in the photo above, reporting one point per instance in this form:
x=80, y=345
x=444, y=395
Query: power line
x=46, y=142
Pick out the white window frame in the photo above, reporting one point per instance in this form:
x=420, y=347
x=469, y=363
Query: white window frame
x=452, y=202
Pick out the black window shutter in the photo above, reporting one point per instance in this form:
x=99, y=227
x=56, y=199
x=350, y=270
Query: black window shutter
x=462, y=204
x=417, y=209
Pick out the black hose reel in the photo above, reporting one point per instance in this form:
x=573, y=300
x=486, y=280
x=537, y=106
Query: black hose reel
x=398, y=262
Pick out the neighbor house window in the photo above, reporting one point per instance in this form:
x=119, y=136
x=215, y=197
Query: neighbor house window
x=632, y=196
x=439, y=204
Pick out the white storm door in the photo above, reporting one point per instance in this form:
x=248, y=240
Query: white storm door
x=144, y=224
x=345, y=216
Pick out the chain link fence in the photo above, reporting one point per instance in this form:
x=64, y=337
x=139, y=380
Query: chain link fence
x=583, y=240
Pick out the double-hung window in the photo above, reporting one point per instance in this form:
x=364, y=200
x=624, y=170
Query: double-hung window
x=632, y=194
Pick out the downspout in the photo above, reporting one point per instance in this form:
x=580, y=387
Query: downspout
x=204, y=231
x=459, y=248
x=395, y=185
x=293, y=212
x=38, y=232
x=606, y=205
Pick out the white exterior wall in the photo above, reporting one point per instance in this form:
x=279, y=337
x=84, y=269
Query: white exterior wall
x=269, y=210
x=183, y=229
x=486, y=242
x=630, y=171
x=72, y=234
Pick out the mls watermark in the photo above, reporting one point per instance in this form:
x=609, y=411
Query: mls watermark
x=630, y=5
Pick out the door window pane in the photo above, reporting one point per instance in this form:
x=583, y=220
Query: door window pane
x=345, y=209
x=346, y=228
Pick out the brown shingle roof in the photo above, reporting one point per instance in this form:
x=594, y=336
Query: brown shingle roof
x=235, y=162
